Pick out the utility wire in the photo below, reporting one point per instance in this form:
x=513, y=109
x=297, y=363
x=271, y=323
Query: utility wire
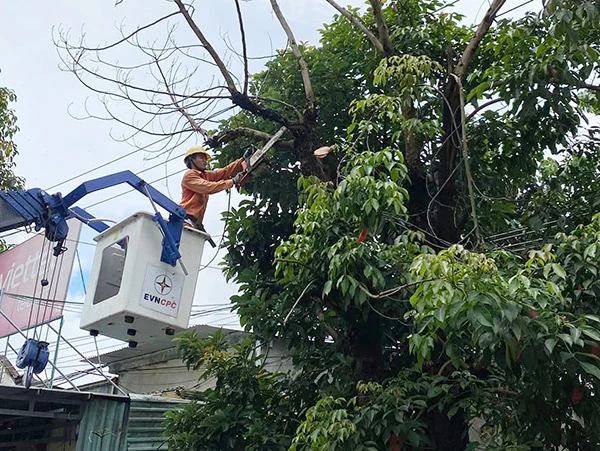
x=103, y=165
x=130, y=190
x=114, y=197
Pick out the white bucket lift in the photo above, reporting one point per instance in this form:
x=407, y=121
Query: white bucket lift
x=132, y=295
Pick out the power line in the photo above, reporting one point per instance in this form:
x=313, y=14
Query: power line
x=93, y=169
x=130, y=190
x=111, y=198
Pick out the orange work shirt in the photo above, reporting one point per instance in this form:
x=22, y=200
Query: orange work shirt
x=197, y=185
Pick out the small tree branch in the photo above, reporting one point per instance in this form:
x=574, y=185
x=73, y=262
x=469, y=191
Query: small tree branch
x=481, y=107
x=297, y=301
x=244, y=47
x=382, y=29
x=329, y=329
x=358, y=24
x=393, y=291
x=461, y=68
x=281, y=102
x=588, y=86
x=177, y=105
x=207, y=45
x=131, y=35
x=308, y=90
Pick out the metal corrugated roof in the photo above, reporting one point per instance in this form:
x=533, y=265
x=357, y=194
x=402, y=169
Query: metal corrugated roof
x=28, y=414
x=103, y=425
x=145, y=429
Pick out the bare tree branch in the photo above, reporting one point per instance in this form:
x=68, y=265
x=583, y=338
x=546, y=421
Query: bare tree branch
x=587, y=86
x=244, y=49
x=358, y=24
x=281, y=102
x=207, y=45
x=222, y=138
x=308, y=90
x=382, y=29
x=180, y=108
x=131, y=35
x=461, y=68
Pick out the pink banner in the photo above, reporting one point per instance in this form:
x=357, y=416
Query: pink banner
x=26, y=299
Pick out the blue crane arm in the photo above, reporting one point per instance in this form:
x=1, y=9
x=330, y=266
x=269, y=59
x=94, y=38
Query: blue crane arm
x=123, y=177
x=22, y=208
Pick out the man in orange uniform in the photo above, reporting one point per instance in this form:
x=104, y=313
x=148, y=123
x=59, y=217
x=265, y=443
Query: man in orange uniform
x=198, y=183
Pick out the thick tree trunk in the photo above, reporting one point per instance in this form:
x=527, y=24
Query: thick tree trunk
x=445, y=204
x=418, y=201
x=448, y=434
x=305, y=145
x=366, y=348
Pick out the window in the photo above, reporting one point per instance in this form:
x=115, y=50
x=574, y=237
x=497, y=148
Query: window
x=111, y=271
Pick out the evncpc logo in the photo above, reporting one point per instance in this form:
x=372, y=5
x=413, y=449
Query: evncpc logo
x=163, y=284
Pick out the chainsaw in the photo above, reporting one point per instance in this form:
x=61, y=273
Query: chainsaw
x=255, y=162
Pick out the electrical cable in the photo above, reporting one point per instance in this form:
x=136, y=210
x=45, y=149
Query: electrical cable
x=222, y=234
x=130, y=190
x=93, y=169
x=80, y=270
x=111, y=198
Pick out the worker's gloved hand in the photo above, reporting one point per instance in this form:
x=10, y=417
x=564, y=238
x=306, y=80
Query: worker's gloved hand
x=237, y=179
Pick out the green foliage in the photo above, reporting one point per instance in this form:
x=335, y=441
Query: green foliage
x=567, y=186
x=372, y=420
x=8, y=149
x=369, y=200
x=395, y=342
x=247, y=409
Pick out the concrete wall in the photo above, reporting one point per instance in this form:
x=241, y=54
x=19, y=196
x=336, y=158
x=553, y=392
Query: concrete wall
x=160, y=377
x=5, y=378
x=164, y=373
x=8, y=372
x=277, y=356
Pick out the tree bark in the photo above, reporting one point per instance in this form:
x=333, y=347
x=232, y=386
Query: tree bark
x=448, y=434
x=366, y=348
x=444, y=202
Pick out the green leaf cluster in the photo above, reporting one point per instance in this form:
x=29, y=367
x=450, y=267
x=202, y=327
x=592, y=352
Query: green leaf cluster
x=8, y=149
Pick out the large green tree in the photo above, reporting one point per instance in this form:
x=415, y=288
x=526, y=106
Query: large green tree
x=430, y=274
x=8, y=148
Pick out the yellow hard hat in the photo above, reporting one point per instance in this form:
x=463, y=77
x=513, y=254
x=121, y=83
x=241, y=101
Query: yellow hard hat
x=194, y=150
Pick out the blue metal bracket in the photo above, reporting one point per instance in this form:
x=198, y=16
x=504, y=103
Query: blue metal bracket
x=22, y=208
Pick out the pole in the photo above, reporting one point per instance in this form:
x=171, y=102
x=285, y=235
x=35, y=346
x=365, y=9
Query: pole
x=92, y=364
x=6, y=347
x=62, y=321
x=5, y=354
x=25, y=336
